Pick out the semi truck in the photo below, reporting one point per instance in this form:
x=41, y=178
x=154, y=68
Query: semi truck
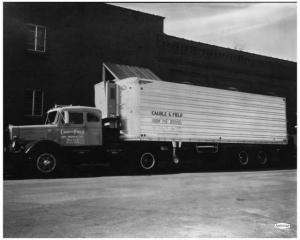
x=143, y=124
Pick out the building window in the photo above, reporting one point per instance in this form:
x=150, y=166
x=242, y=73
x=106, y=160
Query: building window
x=36, y=38
x=34, y=101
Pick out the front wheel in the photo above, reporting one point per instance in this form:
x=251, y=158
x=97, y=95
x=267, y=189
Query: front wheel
x=46, y=163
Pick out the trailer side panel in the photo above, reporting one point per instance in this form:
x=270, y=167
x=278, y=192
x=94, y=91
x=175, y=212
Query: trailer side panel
x=165, y=111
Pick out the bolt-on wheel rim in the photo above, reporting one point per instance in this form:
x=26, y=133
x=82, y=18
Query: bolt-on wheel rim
x=243, y=158
x=46, y=162
x=147, y=161
x=262, y=157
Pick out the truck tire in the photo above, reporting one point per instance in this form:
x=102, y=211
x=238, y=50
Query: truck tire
x=147, y=162
x=46, y=162
x=242, y=158
x=262, y=158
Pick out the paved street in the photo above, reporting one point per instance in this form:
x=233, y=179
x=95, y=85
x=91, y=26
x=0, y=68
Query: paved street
x=207, y=204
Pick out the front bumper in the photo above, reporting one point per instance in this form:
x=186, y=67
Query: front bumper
x=13, y=161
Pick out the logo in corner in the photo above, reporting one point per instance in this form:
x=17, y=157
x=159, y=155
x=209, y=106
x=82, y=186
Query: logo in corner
x=282, y=225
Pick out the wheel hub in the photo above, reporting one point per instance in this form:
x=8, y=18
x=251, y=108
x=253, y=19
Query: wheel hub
x=46, y=163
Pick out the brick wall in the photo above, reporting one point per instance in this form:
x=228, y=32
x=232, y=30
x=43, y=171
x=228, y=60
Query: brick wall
x=81, y=36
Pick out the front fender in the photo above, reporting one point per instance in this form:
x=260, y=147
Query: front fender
x=34, y=146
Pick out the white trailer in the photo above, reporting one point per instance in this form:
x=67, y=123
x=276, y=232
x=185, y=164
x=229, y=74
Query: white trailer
x=205, y=119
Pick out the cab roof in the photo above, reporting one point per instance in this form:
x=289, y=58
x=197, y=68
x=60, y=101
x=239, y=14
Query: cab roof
x=83, y=108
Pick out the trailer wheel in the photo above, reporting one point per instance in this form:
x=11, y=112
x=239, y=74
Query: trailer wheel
x=243, y=158
x=147, y=161
x=262, y=157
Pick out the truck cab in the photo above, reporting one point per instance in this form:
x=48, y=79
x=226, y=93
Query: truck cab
x=66, y=127
x=75, y=126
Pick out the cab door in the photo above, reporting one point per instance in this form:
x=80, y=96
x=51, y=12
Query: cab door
x=73, y=131
x=94, y=128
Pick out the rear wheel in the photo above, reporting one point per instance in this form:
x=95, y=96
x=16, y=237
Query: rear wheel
x=262, y=158
x=135, y=162
x=243, y=158
x=147, y=162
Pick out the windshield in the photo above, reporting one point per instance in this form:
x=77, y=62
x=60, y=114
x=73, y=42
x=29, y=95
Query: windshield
x=52, y=118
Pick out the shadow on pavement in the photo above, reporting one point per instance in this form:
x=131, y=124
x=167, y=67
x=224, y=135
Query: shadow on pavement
x=101, y=171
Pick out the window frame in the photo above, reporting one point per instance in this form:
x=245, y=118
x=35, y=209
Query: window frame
x=56, y=120
x=36, y=38
x=93, y=114
x=67, y=115
x=33, y=92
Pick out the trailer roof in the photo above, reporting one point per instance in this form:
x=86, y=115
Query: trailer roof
x=126, y=71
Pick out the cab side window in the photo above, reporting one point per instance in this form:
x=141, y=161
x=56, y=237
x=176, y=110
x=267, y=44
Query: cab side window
x=75, y=118
x=91, y=117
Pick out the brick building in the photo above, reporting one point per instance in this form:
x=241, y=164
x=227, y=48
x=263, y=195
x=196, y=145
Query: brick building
x=53, y=54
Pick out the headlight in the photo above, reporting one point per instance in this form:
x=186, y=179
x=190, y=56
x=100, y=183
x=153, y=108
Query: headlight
x=16, y=145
